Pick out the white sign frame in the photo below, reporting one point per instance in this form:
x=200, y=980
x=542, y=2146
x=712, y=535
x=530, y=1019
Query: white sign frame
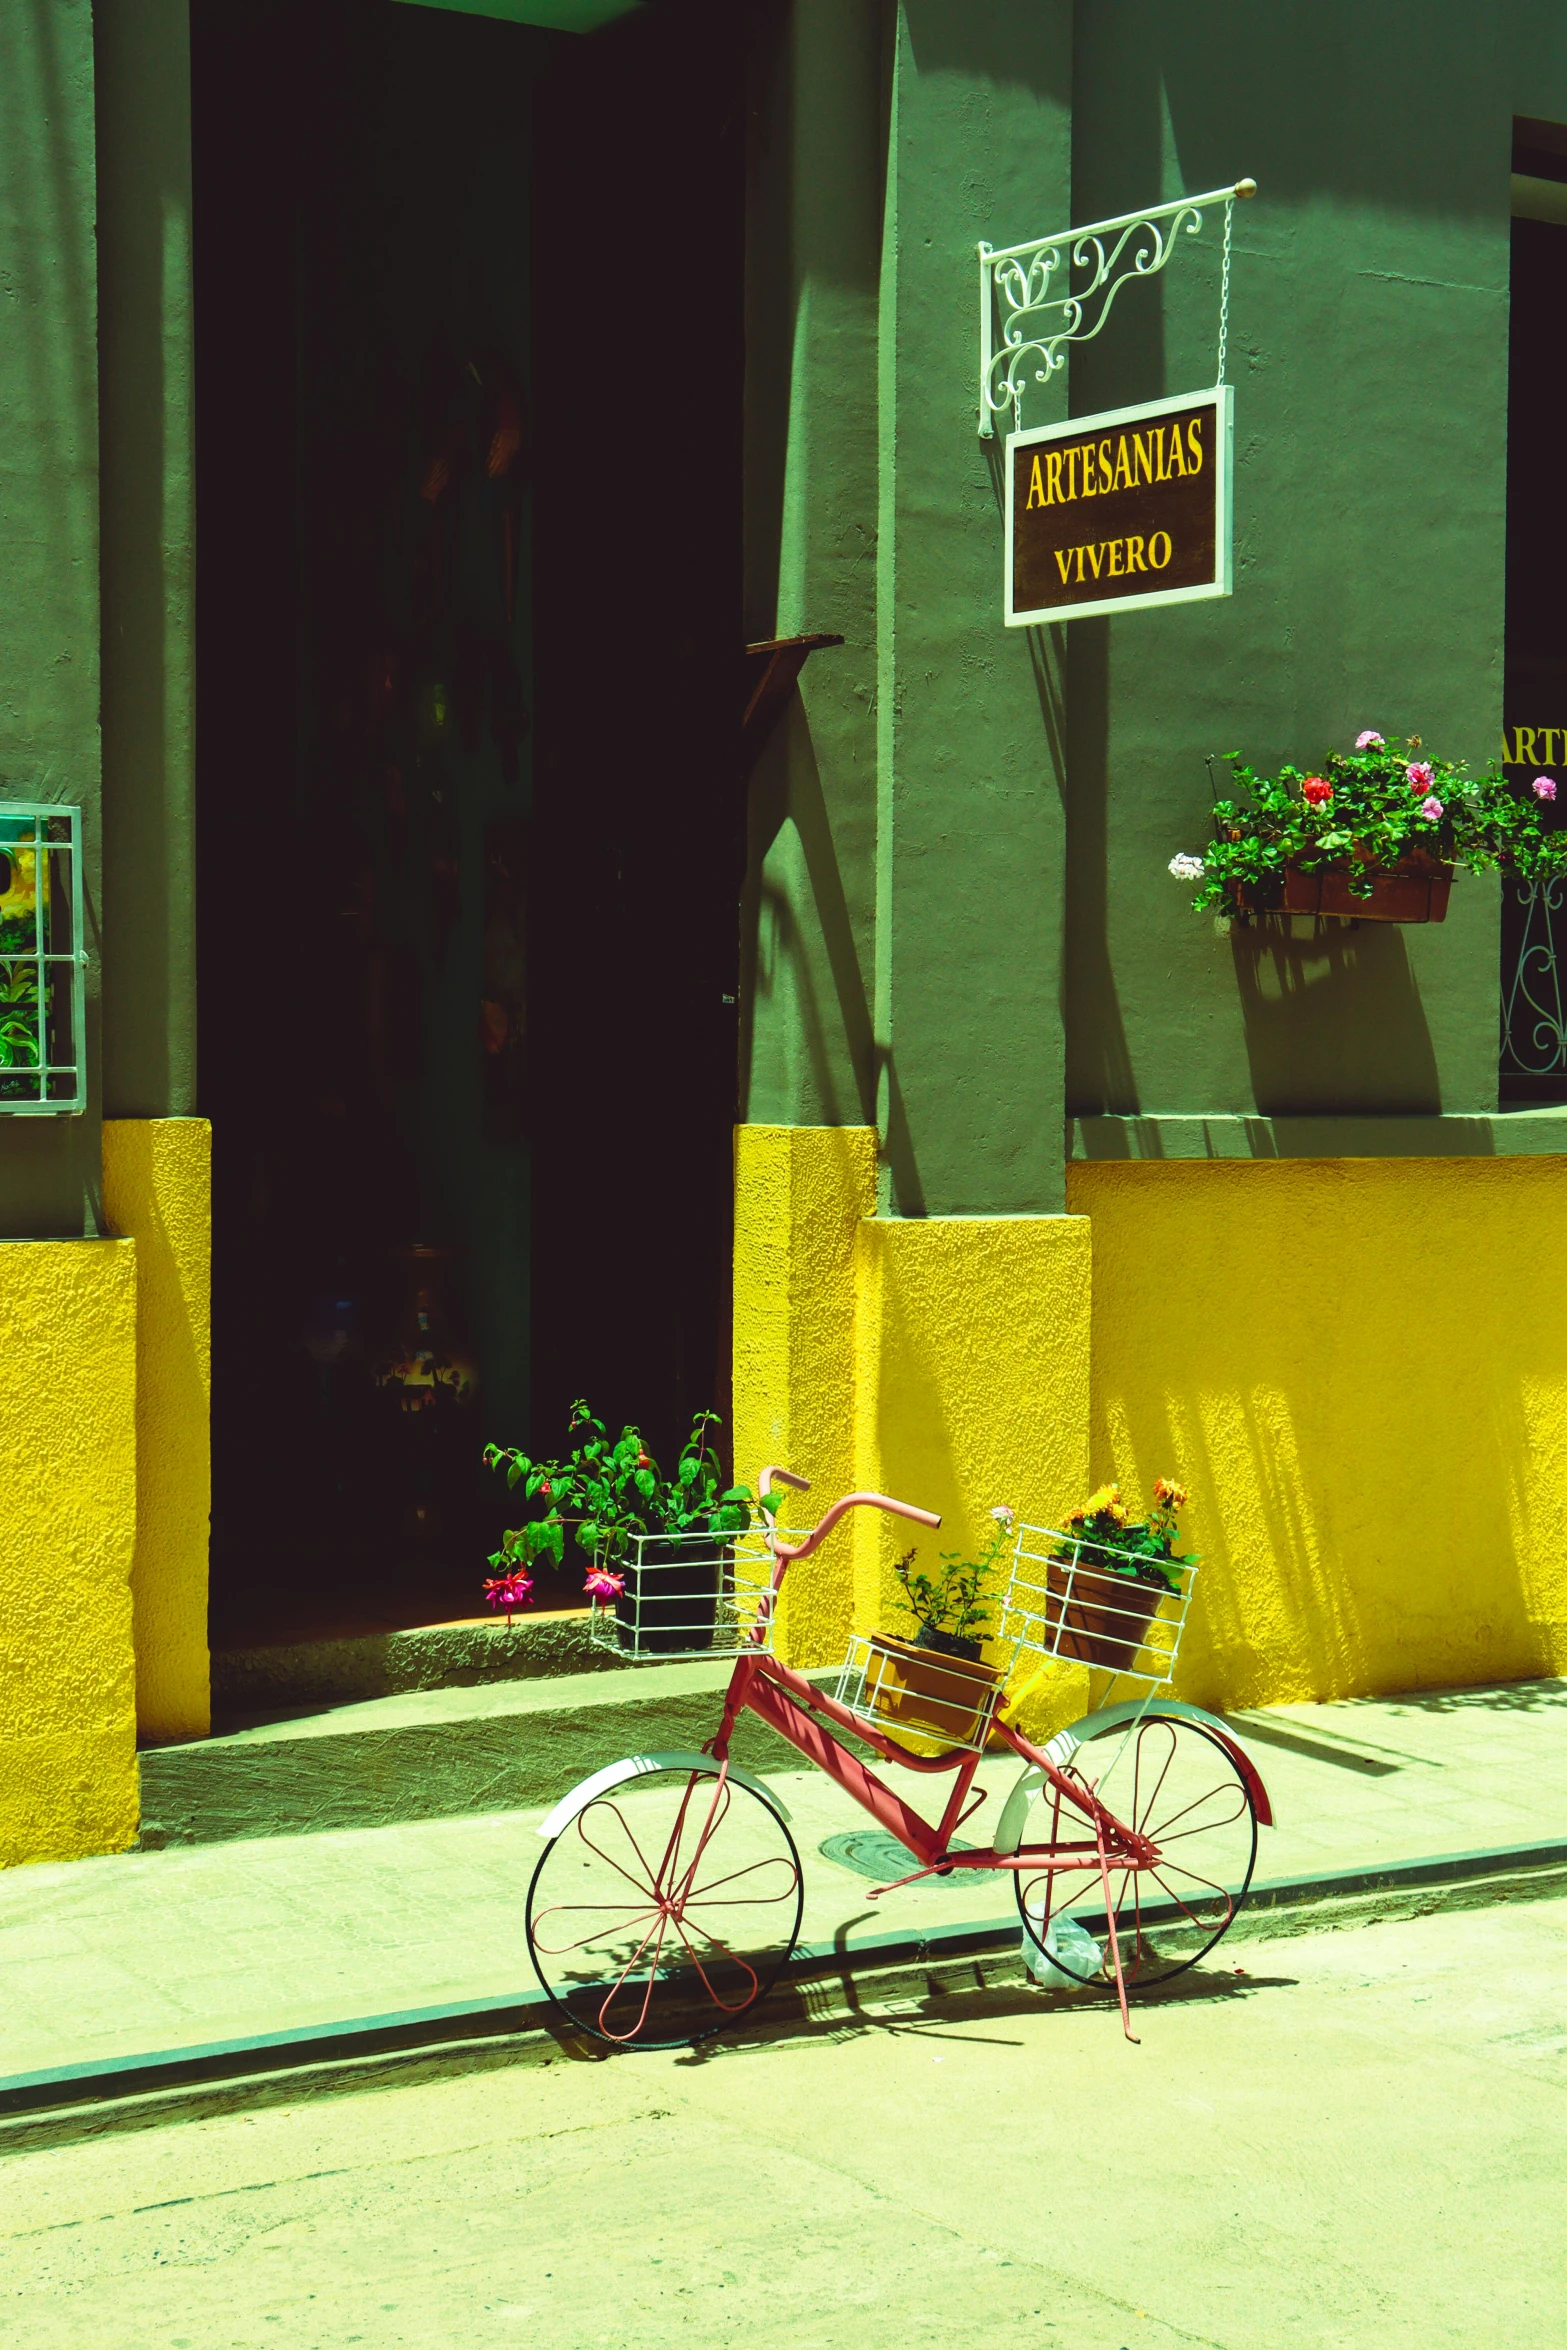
x=1081, y=427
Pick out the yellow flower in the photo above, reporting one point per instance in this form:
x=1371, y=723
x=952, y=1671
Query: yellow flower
x=1107, y=1498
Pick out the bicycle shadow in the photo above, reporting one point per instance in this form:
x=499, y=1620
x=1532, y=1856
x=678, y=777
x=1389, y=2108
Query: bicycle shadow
x=930, y=1999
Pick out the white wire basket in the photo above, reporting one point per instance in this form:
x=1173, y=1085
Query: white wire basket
x=894, y=1686
x=686, y=1595
x=1086, y=1603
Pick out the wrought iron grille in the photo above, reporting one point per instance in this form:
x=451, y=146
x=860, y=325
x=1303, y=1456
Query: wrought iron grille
x=1036, y=300
x=1534, y=1018
x=42, y=1056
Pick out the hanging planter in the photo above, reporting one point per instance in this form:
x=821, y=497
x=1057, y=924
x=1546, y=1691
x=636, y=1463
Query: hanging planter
x=1376, y=837
x=1415, y=890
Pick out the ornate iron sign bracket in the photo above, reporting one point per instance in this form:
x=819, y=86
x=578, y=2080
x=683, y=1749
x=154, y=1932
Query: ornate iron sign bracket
x=1030, y=314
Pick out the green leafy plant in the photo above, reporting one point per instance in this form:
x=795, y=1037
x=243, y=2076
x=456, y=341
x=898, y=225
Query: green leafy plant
x=1383, y=805
x=1104, y=1534
x=607, y=1491
x=954, y=1600
x=18, y=1016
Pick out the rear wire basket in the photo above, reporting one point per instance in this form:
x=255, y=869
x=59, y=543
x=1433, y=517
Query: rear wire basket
x=686, y=1595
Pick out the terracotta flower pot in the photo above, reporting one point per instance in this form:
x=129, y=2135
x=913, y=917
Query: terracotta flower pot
x=940, y=1696
x=1103, y=1617
x=1415, y=890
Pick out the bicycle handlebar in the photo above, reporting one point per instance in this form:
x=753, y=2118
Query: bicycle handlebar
x=786, y=1551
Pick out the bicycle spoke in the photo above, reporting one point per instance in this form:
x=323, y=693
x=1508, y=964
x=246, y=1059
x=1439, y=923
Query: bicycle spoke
x=565, y=1909
x=730, y=2007
x=1196, y=1804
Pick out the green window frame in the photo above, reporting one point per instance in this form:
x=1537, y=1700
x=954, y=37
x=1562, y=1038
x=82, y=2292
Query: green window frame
x=43, y=1061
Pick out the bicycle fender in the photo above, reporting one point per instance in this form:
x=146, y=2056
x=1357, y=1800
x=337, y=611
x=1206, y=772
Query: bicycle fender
x=639, y=1766
x=1065, y=1743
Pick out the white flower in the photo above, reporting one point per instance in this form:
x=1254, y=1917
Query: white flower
x=1001, y=1514
x=1187, y=868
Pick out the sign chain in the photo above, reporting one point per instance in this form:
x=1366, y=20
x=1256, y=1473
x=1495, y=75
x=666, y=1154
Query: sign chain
x=1224, y=291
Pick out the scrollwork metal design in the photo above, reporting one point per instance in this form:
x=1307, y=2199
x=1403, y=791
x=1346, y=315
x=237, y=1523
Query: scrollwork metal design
x=1027, y=291
x=1534, y=1029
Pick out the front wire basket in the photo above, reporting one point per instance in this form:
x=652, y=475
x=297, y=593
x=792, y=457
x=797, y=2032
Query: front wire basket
x=686, y=1595
x=1066, y=1599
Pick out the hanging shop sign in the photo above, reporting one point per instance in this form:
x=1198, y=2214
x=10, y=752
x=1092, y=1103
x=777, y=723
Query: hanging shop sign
x=1118, y=513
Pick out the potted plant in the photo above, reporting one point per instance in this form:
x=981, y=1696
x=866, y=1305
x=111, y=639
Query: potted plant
x=1110, y=1571
x=656, y=1546
x=1375, y=836
x=938, y=1682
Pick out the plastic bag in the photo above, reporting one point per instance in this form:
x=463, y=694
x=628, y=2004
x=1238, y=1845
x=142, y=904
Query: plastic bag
x=1064, y=1939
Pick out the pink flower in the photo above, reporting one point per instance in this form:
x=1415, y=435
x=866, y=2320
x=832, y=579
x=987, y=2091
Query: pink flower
x=1543, y=787
x=509, y=1591
x=601, y=1584
x=1317, y=791
x=1369, y=741
x=1431, y=809
x=1420, y=775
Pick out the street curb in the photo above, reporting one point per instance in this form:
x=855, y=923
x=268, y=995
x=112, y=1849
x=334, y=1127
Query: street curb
x=428, y=2030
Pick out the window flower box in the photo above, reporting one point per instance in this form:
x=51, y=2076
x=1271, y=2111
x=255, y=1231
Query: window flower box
x=1416, y=889
x=1376, y=837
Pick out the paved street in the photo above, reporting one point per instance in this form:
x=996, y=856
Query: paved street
x=1358, y=2144
x=158, y=1950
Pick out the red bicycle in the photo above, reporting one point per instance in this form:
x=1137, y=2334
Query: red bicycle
x=669, y=1895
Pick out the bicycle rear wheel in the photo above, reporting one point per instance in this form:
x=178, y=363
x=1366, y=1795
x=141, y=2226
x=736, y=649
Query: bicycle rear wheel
x=1172, y=1781
x=665, y=1910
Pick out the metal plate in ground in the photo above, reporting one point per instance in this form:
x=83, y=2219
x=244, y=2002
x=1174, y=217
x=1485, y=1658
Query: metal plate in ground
x=871, y=1852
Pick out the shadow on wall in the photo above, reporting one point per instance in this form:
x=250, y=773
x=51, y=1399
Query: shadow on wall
x=842, y=1056
x=1099, y=1076
x=804, y=976
x=1349, y=1365
x=1333, y=1018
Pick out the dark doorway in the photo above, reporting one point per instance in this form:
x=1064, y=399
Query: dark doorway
x=468, y=601
x=1534, y=1044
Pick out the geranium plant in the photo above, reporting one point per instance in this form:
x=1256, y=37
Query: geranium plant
x=606, y=1492
x=1104, y=1534
x=1382, y=807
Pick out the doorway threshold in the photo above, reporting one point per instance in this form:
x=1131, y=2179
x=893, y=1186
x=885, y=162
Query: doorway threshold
x=276, y=1677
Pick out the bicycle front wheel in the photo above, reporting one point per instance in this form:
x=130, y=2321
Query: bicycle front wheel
x=1173, y=1782
x=666, y=1909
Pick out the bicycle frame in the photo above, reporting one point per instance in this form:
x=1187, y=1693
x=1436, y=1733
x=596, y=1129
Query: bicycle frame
x=806, y=1717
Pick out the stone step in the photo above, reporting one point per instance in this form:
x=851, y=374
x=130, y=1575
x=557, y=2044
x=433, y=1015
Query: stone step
x=385, y=1664
x=429, y=1753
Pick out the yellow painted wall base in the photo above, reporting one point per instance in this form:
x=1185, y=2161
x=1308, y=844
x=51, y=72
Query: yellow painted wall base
x=1359, y=1368
x=157, y=1186
x=943, y=1360
x=800, y=1193
x=68, y=1471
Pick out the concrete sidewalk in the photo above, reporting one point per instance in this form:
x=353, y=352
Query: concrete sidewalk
x=167, y=1950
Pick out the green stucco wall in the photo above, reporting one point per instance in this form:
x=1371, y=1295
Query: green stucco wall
x=905, y=898
x=148, y=558
x=50, y=1179
x=1369, y=353
x=943, y=801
